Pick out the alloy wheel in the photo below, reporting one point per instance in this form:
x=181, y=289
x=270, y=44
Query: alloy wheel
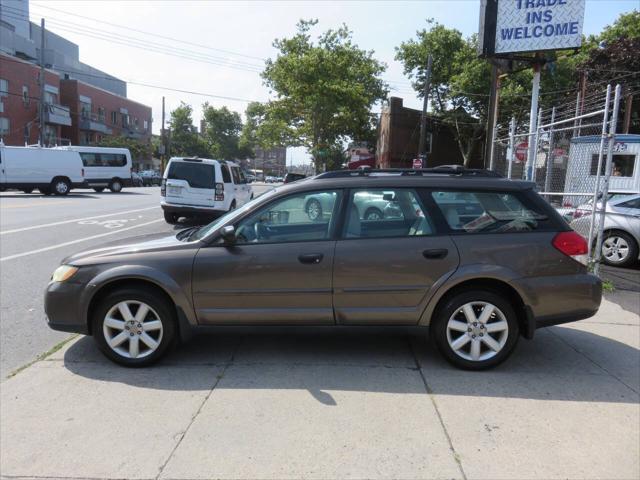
x=314, y=210
x=132, y=329
x=615, y=249
x=61, y=187
x=477, y=331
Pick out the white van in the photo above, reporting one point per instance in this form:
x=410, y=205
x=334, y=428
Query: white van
x=194, y=187
x=47, y=169
x=105, y=167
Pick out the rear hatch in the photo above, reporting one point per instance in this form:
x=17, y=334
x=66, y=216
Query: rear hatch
x=191, y=182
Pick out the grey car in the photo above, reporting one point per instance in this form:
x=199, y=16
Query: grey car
x=621, y=234
x=476, y=260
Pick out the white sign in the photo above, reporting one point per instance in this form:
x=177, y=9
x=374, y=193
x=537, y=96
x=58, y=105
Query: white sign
x=537, y=25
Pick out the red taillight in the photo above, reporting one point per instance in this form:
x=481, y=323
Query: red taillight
x=570, y=243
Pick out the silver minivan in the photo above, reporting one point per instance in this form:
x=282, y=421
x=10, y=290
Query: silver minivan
x=201, y=187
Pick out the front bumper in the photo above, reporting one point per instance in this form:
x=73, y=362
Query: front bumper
x=63, y=309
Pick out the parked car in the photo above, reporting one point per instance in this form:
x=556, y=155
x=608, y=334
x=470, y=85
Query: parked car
x=269, y=179
x=370, y=206
x=477, y=281
x=293, y=177
x=105, y=167
x=49, y=170
x=136, y=180
x=570, y=213
x=621, y=234
x=151, y=178
x=201, y=187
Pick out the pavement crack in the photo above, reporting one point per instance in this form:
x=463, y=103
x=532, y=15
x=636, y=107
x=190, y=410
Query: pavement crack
x=182, y=434
x=580, y=352
x=429, y=391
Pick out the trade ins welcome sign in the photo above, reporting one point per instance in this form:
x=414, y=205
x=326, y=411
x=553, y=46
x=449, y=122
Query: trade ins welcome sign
x=512, y=26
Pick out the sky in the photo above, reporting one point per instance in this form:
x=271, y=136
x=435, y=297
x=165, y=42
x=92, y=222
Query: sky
x=231, y=39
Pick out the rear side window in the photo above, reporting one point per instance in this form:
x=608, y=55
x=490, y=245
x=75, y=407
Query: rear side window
x=197, y=175
x=226, y=176
x=495, y=212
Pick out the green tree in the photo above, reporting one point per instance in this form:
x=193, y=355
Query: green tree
x=324, y=89
x=184, y=139
x=222, y=129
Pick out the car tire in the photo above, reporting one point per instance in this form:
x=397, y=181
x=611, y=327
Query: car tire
x=619, y=249
x=475, y=343
x=138, y=339
x=27, y=190
x=373, y=214
x=116, y=185
x=314, y=210
x=60, y=187
x=99, y=189
x=171, y=218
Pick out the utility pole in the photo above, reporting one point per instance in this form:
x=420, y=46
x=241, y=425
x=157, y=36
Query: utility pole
x=533, y=124
x=162, y=139
x=423, y=119
x=492, y=118
x=42, y=82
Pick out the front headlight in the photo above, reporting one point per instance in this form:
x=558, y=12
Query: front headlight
x=63, y=273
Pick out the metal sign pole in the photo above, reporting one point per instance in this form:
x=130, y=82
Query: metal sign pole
x=512, y=146
x=533, y=126
x=548, y=176
x=596, y=188
x=607, y=176
x=536, y=137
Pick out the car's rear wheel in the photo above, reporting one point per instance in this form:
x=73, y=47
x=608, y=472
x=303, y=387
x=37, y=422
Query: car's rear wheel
x=134, y=326
x=115, y=186
x=476, y=329
x=619, y=249
x=170, y=218
x=60, y=186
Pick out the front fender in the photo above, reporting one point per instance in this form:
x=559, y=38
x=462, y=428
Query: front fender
x=145, y=273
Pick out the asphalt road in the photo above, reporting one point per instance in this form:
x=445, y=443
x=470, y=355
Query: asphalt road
x=37, y=232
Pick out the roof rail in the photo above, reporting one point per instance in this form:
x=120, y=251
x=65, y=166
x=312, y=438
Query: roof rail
x=458, y=170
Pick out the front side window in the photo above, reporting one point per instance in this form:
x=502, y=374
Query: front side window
x=288, y=220
x=197, y=175
x=379, y=213
x=234, y=173
x=90, y=159
x=495, y=212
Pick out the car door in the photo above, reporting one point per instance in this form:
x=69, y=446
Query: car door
x=239, y=186
x=229, y=186
x=278, y=272
x=386, y=269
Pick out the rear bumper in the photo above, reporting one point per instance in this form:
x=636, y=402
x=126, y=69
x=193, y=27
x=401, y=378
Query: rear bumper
x=561, y=299
x=191, y=209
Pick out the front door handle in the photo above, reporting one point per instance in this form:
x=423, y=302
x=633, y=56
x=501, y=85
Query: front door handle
x=435, y=253
x=311, y=258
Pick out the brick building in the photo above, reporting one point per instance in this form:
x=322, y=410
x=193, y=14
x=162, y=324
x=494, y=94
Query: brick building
x=99, y=113
x=398, y=138
x=19, y=94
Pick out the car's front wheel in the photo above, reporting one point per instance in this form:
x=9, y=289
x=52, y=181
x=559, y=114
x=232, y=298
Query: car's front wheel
x=134, y=326
x=476, y=329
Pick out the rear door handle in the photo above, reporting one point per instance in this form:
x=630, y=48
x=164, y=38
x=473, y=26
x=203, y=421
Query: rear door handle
x=435, y=253
x=311, y=258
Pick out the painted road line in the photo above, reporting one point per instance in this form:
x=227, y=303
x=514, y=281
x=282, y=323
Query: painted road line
x=24, y=229
x=53, y=247
x=27, y=205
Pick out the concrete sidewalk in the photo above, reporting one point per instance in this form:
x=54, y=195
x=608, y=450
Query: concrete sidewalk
x=335, y=406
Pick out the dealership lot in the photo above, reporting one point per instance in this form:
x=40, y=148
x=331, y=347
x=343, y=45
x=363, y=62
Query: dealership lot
x=294, y=404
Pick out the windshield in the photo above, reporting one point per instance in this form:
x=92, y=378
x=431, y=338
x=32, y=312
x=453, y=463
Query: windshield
x=206, y=230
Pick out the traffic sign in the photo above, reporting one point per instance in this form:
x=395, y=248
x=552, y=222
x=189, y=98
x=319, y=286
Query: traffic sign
x=417, y=163
x=521, y=151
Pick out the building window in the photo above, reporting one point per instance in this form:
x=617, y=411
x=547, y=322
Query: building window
x=125, y=120
x=85, y=110
x=85, y=138
x=25, y=96
x=146, y=125
x=50, y=98
x=4, y=87
x=114, y=118
x=4, y=126
x=101, y=114
x=50, y=135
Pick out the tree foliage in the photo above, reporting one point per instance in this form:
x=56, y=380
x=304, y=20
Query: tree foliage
x=139, y=150
x=325, y=90
x=184, y=138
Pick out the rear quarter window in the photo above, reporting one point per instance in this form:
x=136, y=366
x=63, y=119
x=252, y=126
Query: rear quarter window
x=197, y=175
x=491, y=211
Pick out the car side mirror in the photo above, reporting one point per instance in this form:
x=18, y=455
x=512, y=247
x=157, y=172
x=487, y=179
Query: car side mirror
x=228, y=233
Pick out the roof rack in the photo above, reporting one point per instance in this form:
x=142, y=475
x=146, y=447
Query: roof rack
x=457, y=170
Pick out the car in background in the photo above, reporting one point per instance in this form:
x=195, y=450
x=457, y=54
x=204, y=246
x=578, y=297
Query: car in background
x=370, y=206
x=621, y=234
x=104, y=167
x=151, y=178
x=201, y=187
x=570, y=212
x=293, y=177
x=136, y=180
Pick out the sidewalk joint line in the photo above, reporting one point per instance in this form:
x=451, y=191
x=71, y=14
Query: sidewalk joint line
x=202, y=404
x=429, y=391
x=566, y=342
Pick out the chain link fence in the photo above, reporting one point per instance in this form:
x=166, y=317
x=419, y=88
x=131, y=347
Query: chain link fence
x=570, y=159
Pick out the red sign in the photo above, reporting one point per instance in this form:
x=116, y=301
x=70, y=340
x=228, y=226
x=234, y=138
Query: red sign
x=521, y=151
x=417, y=163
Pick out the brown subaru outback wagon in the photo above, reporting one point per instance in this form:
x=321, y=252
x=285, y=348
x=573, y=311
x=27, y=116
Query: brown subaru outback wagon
x=477, y=259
